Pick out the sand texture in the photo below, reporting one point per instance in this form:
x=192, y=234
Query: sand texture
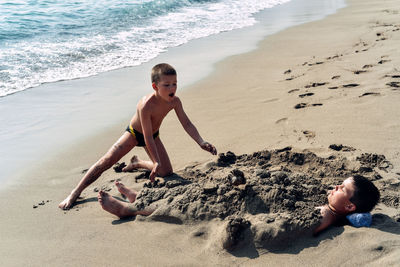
x=312, y=105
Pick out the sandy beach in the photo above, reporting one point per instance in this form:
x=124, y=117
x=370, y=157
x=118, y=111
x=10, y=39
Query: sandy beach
x=328, y=89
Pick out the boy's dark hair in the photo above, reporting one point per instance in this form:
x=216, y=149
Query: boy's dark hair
x=366, y=195
x=161, y=69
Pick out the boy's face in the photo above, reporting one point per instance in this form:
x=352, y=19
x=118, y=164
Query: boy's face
x=339, y=198
x=166, y=87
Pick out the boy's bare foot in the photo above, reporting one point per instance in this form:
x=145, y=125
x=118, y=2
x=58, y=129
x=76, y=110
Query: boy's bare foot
x=129, y=193
x=114, y=206
x=68, y=202
x=133, y=165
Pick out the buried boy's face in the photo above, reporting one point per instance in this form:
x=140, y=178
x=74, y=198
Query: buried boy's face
x=339, y=197
x=166, y=87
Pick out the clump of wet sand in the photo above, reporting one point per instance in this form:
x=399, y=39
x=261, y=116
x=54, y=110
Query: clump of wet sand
x=267, y=197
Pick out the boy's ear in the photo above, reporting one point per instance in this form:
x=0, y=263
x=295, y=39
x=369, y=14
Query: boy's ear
x=154, y=85
x=350, y=207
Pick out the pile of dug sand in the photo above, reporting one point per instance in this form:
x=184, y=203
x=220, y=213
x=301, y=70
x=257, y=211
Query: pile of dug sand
x=268, y=197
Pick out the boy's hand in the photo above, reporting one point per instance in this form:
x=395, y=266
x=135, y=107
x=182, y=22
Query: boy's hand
x=209, y=147
x=154, y=172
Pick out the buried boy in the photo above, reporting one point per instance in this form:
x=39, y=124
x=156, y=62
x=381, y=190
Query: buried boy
x=355, y=195
x=143, y=130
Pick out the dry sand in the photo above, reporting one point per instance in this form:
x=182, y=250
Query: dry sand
x=330, y=82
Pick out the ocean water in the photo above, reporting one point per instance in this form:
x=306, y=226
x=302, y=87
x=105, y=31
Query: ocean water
x=45, y=46
x=50, y=40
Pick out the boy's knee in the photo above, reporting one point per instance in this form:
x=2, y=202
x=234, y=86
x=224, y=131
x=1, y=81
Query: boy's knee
x=165, y=172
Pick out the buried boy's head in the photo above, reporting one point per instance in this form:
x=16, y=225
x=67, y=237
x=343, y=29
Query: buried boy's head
x=355, y=194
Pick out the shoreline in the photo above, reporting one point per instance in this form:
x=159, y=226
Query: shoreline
x=253, y=91
x=86, y=107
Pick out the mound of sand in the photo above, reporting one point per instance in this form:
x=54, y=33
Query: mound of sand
x=267, y=197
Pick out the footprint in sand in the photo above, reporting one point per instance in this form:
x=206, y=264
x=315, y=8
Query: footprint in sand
x=370, y=93
x=394, y=84
x=392, y=76
x=281, y=120
x=359, y=71
x=316, y=63
x=367, y=66
x=350, y=85
x=300, y=105
x=293, y=90
x=294, y=77
x=306, y=94
x=315, y=85
x=383, y=61
x=304, y=105
x=269, y=100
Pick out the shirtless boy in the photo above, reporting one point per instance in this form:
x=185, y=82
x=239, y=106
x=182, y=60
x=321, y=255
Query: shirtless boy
x=143, y=131
x=355, y=195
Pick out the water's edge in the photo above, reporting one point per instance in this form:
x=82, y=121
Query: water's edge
x=45, y=120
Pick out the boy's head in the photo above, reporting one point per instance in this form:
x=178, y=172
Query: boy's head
x=355, y=194
x=161, y=69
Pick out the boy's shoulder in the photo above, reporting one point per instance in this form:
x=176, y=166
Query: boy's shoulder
x=149, y=102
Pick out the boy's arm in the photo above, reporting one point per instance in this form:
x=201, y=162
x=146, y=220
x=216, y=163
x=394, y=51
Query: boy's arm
x=145, y=119
x=191, y=129
x=327, y=220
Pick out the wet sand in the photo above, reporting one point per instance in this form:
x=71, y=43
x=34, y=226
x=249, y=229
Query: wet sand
x=329, y=90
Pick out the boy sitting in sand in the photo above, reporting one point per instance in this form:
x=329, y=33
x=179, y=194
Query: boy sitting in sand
x=355, y=195
x=143, y=131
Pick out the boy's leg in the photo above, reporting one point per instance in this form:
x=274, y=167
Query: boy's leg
x=127, y=192
x=124, y=144
x=166, y=167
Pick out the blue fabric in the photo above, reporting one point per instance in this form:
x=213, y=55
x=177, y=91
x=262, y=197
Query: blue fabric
x=360, y=219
